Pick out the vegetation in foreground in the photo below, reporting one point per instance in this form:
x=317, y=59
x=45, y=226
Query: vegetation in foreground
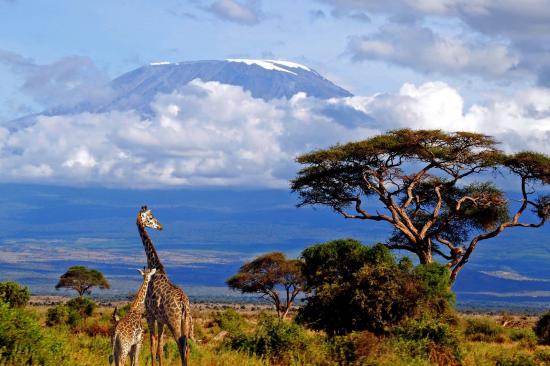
x=234, y=336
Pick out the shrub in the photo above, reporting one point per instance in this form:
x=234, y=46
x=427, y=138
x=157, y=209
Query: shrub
x=23, y=342
x=14, y=294
x=228, y=320
x=526, y=336
x=484, y=330
x=84, y=307
x=433, y=338
x=542, y=328
x=355, y=348
x=274, y=338
x=352, y=287
x=57, y=315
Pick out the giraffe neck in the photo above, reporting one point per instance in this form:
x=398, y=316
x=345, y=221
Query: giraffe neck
x=139, y=300
x=153, y=260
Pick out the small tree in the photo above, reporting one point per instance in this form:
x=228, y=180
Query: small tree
x=14, y=294
x=269, y=275
x=82, y=280
x=425, y=183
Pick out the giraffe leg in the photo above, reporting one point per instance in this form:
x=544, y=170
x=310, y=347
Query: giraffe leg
x=181, y=340
x=134, y=354
x=151, y=323
x=160, y=351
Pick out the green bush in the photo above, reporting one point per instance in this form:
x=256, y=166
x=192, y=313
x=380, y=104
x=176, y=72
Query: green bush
x=82, y=306
x=14, y=294
x=352, y=287
x=355, y=348
x=57, y=315
x=432, y=338
x=526, y=336
x=542, y=328
x=273, y=338
x=229, y=320
x=23, y=342
x=484, y=330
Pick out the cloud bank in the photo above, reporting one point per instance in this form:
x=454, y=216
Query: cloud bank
x=211, y=134
x=495, y=38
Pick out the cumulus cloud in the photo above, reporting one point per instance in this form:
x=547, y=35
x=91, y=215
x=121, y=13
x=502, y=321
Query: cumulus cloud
x=205, y=134
x=212, y=134
x=421, y=49
x=524, y=27
x=68, y=81
x=248, y=13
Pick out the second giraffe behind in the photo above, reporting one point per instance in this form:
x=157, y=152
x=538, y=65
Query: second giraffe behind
x=127, y=333
x=165, y=303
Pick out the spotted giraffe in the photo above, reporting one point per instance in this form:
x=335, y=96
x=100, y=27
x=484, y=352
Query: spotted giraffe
x=127, y=333
x=165, y=303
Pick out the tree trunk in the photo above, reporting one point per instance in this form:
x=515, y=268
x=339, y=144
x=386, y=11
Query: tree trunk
x=425, y=256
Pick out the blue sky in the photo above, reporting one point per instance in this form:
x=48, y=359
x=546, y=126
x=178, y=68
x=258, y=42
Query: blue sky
x=476, y=65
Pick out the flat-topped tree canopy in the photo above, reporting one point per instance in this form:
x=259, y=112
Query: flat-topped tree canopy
x=419, y=176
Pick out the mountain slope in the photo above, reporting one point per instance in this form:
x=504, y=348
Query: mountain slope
x=264, y=79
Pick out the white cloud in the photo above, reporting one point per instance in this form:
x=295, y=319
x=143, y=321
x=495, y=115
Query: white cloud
x=421, y=49
x=211, y=134
x=68, y=81
x=516, y=32
x=244, y=13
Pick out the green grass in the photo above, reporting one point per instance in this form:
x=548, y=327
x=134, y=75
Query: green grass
x=482, y=341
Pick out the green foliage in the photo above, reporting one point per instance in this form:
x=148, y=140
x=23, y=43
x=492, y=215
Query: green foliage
x=542, y=328
x=526, y=335
x=229, y=320
x=59, y=314
x=432, y=338
x=14, y=294
x=484, y=330
x=82, y=306
x=82, y=280
x=355, y=348
x=22, y=341
x=419, y=175
x=354, y=287
x=274, y=338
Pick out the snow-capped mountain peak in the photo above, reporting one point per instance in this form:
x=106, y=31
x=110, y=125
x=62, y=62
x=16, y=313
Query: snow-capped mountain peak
x=274, y=65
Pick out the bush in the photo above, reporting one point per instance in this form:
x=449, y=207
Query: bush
x=14, y=294
x=432, y=338
x=23, y=342
x=542, y=328
x=526, y=337
x=57, y=315
x=355, y=348
x=82, y=306
x=484, y=330
x=229, y=320
x=352, y=287
x=274, y=338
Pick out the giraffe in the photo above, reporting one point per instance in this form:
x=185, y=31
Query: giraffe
x=165, y=303
x=127, y=333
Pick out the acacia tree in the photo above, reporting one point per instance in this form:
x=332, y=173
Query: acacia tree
x=423, y=179
x=82, y=280
x=270, y=275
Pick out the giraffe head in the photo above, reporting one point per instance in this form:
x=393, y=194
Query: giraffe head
x=147, y=273
x=148, y=220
